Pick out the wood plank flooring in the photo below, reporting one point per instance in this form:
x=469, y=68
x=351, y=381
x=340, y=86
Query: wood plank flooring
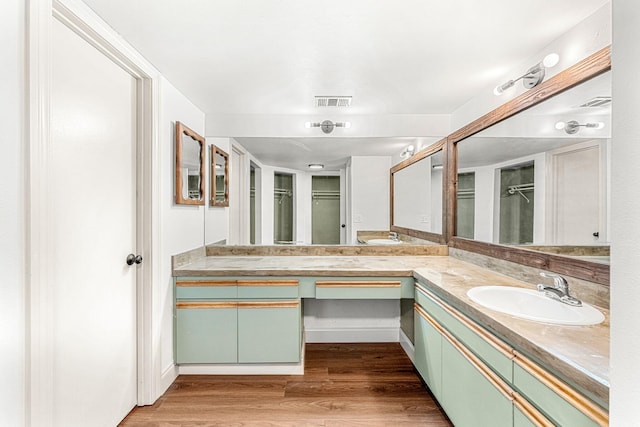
x=343, y=385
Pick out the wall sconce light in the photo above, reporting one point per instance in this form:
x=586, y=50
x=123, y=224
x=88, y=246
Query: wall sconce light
x=572, y=126
x=327, y=126
x=533, y=76
x=408, y=152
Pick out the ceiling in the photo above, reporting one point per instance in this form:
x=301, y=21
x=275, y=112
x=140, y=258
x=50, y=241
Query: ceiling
x=271, y=57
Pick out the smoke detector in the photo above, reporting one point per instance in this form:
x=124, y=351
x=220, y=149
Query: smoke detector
x=332, y=101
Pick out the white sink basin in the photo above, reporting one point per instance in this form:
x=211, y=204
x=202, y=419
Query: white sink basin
x=383, y=242
x=533, y=305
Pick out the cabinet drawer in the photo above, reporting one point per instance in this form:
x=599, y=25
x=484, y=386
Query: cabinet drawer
x=206, y=332
x=554, y=398
x=358, y=289
x=206, y=289
x=494, y=352
x=267, y=288
x=428, y=351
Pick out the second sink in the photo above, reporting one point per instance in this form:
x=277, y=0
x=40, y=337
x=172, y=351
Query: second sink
x=533, y=305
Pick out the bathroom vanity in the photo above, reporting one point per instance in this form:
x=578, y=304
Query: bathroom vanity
x=243, y=314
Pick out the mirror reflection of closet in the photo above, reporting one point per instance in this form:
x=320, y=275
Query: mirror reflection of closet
x=189, y=176
x=283, y=209
x=219, y=175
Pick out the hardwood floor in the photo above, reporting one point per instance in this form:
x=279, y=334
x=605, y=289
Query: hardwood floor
x=343, y=385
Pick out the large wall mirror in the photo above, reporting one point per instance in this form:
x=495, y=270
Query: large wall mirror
x=219, y=175
x=417, y=195
x=539, y=181
x=189, y=178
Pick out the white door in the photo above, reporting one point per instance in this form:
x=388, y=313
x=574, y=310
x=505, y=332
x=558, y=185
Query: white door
x=579, y=196
x=92, y=200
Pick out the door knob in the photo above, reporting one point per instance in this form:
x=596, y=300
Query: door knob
x=134, y=259
x=596, y=234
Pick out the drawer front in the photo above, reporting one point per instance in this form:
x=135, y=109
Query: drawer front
x=206, y=289
x=206, y=332
x=267, y=288
x=269, y=332
x=470, y=395
x=555, y=399
x=358, y=289
x=494, y=352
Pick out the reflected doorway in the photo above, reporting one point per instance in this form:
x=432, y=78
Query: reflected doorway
x=283, y=208
x=325, y=210
x=466, y=205
x=517, y=204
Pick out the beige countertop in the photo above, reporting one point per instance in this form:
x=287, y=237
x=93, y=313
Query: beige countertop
x=303, y=265
x=579, y=354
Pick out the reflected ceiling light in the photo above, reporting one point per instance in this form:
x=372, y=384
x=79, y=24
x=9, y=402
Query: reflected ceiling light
x=408, y=152
x=573, y=126
x=533, y=76
x=327, y=126
x=436, y=167
x=316, y=166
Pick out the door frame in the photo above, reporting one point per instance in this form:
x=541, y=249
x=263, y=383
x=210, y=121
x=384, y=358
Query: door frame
x=341, y=175
x=240, y=195
x=84, y=22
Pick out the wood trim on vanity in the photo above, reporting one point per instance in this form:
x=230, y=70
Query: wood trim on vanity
x=268, y=304
x=584, y=405
x=530, y=411
x=193, y=283
x=267, y=282
x=206, y=304
x=359, y=283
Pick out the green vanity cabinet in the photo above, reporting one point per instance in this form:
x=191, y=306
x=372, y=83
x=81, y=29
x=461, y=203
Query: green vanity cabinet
x=206, y=332
x=269, y=332
x=470, y=395
x=428, y=350
x=483, y=381
x=361, y=288
x=237, y=320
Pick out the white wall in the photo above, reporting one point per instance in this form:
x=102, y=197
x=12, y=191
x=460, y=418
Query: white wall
x=412, y=196
x=216, y=218
x=625, y=211
x=12, y=214
x=369, y=188
x=182, y=225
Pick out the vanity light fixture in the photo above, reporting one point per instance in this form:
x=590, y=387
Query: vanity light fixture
x=316, y=166
x=533, y=76
x=408, y=152
x=327, y=126
x=573, y=126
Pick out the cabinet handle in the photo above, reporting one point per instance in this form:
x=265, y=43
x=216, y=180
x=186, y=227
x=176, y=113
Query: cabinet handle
x=268, y=304
x=206, y=304
x=358, y=283
x=584, y=405
x=530, y=411
x=267, y=283
x=187, y=283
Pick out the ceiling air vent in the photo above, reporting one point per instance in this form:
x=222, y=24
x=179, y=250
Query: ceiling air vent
x=332, y=101
x=598, y=101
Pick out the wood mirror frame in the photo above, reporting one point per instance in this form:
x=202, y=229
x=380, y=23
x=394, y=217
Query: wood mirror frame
x=181, y=132
x=420, y=234
x=213, y=175
x=592, y=66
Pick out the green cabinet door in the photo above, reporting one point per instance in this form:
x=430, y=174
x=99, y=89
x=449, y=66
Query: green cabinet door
x=269, y=332
x=206, y=332
x=428, y=352
x=468, y=396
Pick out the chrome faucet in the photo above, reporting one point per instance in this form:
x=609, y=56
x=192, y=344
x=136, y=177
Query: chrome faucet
x=559, y=291
x=393, y=236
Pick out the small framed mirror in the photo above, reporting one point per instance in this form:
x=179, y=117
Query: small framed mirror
x=189, y=185
x=219, y=173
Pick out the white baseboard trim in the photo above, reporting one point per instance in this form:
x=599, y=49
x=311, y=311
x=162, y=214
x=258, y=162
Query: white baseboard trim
x=407, y=346
x=352, y=335
x=244, y=369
